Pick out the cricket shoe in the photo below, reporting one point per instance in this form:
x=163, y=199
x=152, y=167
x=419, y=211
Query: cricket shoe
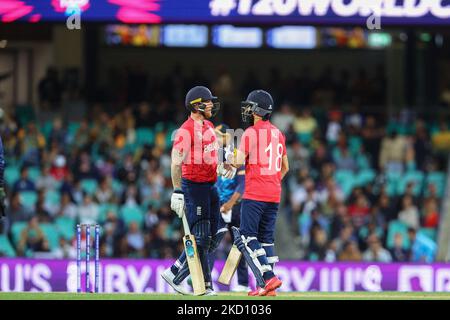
x=241, y=288
x=168, y=276
x=255, y=292
x=210, y=292
x=271, y=285
x=258, y=292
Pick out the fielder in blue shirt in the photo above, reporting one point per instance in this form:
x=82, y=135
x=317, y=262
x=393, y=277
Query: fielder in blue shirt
x=230, y=189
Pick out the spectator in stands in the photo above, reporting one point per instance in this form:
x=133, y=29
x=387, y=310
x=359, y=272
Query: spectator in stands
x=385, y=209
x=110, y=237
x=41, y=211
x=409, y=214
x=16, y=211
x=88, y=211
x=422, y=147
x=104, y=193
x=354, y=119
x=24, y=183
x=423, y=249
x=359, y=210
x=331, y=253
x=32, y=142
x=430, y=214
x=64, y=250
x=130, y=197
x=371, y=135
x=398, y=252
x=334, y=127
x=32, y=238
x=375, y=251
x=350, y=252
x=127, y=173
x=318, y=244
x=320, y=157
x=344, y=160
x=46, y=180
x=135, y=241
x=393, y=152
x=82, y=135
x=157, y=240
x=298, y=156
x=59, y=169
x=345, y=236
x=67, y=208
x=284, y=118
x=58, y=133
x=151, y=219
x=84, y=169
x=305, y=125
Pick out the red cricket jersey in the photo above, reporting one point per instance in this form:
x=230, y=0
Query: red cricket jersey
x=199, y=142
x=264, y=147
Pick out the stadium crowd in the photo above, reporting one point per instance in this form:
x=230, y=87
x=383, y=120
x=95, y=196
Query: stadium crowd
x=362, y=186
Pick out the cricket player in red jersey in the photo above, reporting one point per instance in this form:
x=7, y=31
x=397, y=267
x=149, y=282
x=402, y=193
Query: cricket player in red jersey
x=263, y=151
x=193, y=170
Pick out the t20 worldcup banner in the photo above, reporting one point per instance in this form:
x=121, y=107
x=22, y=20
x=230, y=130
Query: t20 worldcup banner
x=391, y=12
x=140, y=276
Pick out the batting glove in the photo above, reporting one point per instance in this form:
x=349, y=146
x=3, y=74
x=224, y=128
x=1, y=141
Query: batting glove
x=177, y=203
x=226, y=216
x=229, y=152
x=227, y=173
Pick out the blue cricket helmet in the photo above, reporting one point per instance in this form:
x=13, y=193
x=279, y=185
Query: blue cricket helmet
x=258, y=102
x=196, y=97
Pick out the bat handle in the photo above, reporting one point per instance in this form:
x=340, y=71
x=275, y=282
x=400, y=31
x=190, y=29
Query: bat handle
x=185, y=224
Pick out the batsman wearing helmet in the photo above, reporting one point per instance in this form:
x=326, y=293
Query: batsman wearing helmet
x=193, y=170
x=262, y=149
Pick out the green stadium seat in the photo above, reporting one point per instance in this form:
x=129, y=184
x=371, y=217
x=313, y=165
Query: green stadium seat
x=132, y=214
x=438, y=179
x=51, y=233
x=117, y=186
x=159, y=127
x=104, y=208
x=393, y=178
x=305, y=138
x=6, y=249
x=89, y=185
x=428, y=232
x=52, y=197
x=144, y=136
x=413, y=176
x=364, y=177
x=46, y=129
x=65, y=227
x=346, y=180
x=354, y=145
x=12, y=174
x=28, y=198
x=34, y=173
x=72, y=128
x=395, y=227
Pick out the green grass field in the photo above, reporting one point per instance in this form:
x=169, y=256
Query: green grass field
x=228, y=296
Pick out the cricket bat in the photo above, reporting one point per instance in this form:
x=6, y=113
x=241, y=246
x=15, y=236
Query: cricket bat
x=230, y=265
x=195, y=268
